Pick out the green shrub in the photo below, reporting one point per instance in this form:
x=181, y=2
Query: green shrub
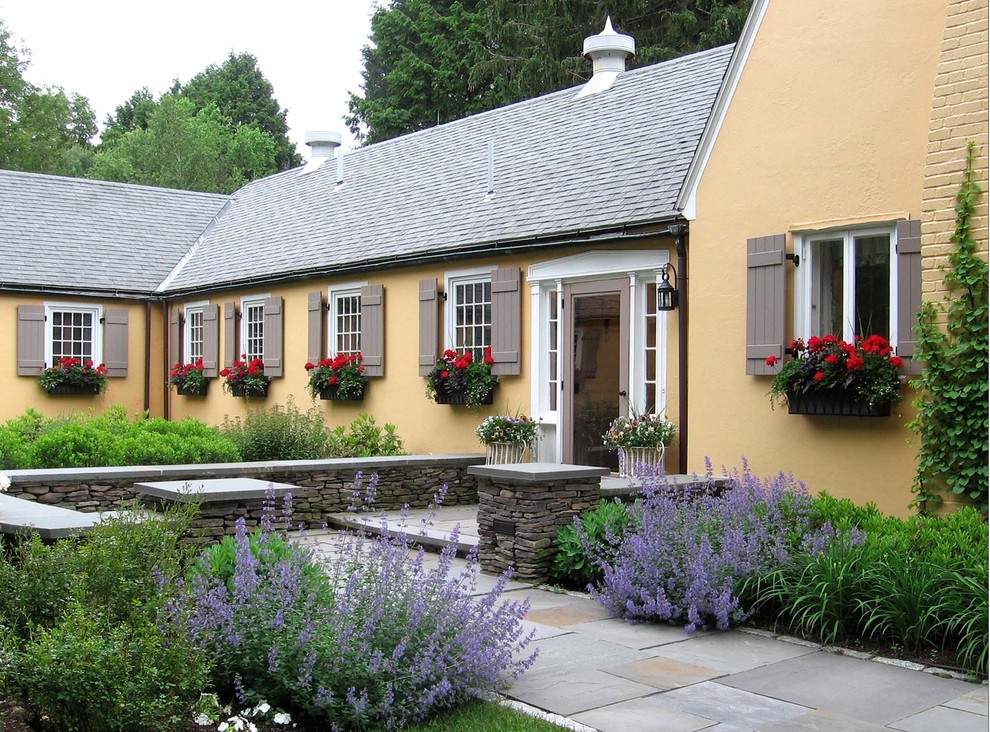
x=84, y=644
x=278, y=433
x=113, y=438
x=365, y=439
x=599, y=535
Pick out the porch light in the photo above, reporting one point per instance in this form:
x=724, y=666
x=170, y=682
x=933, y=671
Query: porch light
x=666, y=292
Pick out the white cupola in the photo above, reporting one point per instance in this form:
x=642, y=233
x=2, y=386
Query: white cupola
x=608, y=52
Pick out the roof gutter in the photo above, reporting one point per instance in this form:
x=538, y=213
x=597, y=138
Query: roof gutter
x=628, y=232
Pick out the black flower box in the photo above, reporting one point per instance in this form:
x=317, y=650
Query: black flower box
x=243, y=390
x=66, y=389
x=332, y=393
x=185, y=390
x=833, y=403
x=461, y=397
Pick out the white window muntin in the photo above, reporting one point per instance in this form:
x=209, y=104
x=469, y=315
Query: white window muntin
x=344, y=318
x=807, y=245
x=73, y=330
x=253, y=327
x=468, y=310
x=192, y=327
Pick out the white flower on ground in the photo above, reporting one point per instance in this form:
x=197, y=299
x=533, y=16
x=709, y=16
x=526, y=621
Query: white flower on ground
x=282, y=718
x=4, y=482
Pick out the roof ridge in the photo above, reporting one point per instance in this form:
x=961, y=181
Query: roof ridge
x=99, y=182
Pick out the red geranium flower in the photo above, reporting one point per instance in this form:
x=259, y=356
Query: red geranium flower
x=772, y=360
x=819, y=375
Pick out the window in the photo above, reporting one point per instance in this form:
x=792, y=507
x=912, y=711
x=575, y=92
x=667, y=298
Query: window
x=72, y=331
x=194, y=335
x=850, y=284
x=469, y=313
x=253, y=328
x=344, y=323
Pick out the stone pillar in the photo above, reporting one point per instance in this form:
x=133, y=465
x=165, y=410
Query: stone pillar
x=520, y=507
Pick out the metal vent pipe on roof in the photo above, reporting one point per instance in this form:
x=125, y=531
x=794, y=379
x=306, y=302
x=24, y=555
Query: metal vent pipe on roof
x=322, y=143
x=608, y=52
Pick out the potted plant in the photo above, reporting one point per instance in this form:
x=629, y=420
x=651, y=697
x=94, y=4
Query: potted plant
x=829, y=376
x=246, y=378
x=641, y=441
x=457, y=378
x=506, y=437
x=72, y=375
x=341, y=377
x=188, y=379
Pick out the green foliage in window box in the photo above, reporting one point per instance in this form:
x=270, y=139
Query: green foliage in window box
x=343, y=375
x=952, y=400
x=246, y=378
x=189, y=378
x=74, y=374
x=457, y=378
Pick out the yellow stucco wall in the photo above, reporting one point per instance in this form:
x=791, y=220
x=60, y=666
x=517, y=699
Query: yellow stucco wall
x=22, y=392
x=829, y=122
x=399, y=396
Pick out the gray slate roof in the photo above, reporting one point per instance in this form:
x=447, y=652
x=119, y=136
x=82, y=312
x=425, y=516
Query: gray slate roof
x=562, y=166
x=70, y=233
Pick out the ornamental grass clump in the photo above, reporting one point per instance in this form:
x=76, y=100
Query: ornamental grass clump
x=687, y=552
x=378, y=640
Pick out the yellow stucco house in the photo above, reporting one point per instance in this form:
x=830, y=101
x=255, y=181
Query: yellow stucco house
x=833, y=131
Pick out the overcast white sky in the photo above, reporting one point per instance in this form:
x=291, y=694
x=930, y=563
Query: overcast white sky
x=107, y=49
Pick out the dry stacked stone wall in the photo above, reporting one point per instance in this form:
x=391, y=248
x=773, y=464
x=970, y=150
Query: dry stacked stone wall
x=519, y=509
x=324, y=486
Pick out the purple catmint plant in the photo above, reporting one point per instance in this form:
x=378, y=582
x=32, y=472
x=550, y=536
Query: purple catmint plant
x=688, y=550
x=369, y=635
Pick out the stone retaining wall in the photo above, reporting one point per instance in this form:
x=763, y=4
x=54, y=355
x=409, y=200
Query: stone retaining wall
x=325, y=486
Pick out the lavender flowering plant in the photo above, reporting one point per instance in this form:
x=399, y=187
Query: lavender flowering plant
x=380, y=639
x=688, y=552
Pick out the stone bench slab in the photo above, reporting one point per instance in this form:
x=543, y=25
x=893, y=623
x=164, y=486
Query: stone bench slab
x=49, y=522
x=214, y=489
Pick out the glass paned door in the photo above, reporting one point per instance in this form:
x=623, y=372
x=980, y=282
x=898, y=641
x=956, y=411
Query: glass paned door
x=595, y=381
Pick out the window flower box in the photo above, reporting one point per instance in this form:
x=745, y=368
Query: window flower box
x=248, y=390
x=246, y=378
x=66, y=389
x=834, y=402
x=334, y=394
x=457, y=378
x=192, y=391
x=189, y=379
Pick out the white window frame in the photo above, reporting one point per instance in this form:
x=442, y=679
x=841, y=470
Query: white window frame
x=248, y=302
x=188, y=311
x=96, y=311
x=477, y=275
x=349, y=289
x=804, y=277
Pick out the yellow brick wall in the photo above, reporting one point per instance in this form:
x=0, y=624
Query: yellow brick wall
x=959, y=115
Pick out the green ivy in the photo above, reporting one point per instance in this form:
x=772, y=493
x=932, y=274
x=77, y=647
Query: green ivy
x=952, y=391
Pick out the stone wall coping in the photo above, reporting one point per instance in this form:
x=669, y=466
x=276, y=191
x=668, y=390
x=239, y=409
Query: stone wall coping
x=522, y=473
x=50, y=522
x=217, y=489
x=221, y=470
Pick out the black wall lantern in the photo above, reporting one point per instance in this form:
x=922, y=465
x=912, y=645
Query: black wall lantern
x=667, y=295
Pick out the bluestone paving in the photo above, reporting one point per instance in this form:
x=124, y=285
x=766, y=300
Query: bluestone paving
x=645, y=714
x=942, y=719
x=730, y=706
x=732, y=653
x=873, y=692
x=662, y=673
x=613, y=676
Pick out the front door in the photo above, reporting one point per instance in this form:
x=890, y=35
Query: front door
x=596, y=368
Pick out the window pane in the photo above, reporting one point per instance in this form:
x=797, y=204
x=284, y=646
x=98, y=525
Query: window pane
x=72, y=335
x=872, y=313
x=254, y=341
x=347, y=323
x=826, y=302
x=194, y=344
x=472, y=317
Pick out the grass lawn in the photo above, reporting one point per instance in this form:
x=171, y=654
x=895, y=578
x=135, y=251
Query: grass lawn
x=485, y=717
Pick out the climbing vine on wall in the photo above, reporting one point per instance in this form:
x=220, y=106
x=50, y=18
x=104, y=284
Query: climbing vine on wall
x=952, y=390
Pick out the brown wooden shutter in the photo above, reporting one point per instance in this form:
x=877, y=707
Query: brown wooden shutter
x=506, y=315
x=273, y=336
x=314, y=327
x=908, y=292
x=30, y=339
x=174, y=336
x=211, y=340
x=115, y=342
x=428, y=325
x=766, y=302
x=373, y=330
x=230, y=353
